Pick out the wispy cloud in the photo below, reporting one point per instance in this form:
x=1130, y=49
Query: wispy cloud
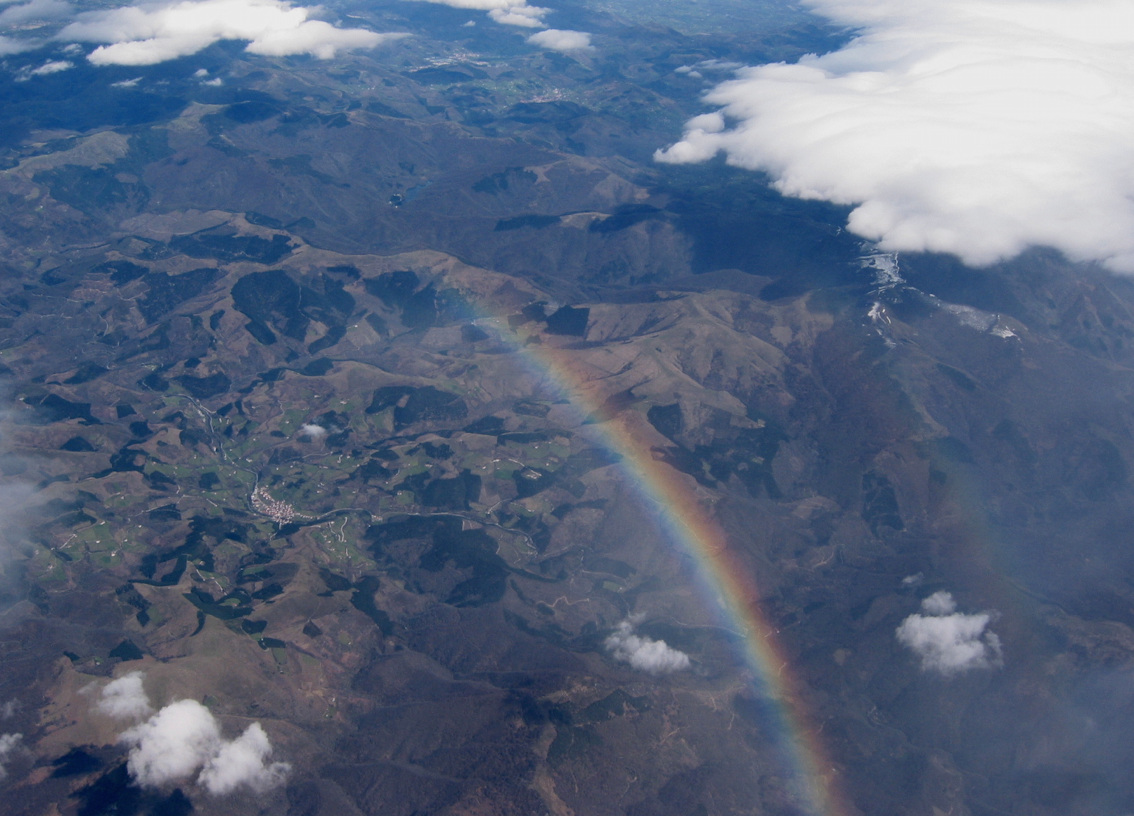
x=643, y=653
x=519, y=13
x=13, y=45
x=703, y=67
x=52, y=67
x=9, y=744
x=949, y=642
x=150, y=33
x=969, y=127
x=36, y=10
x=506, y=12
x=17, y=504
x=480, y=5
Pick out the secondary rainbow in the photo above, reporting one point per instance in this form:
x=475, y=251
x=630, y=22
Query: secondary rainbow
x=693, y=529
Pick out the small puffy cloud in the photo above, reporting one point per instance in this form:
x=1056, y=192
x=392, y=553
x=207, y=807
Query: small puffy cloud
x=561, y=39
x=313, y=430
x=125, y=698
x=173, y=744
x=939, y=603
x=643, y=653
x=9, y=744
x=151, y=33
x=524, y=16
x=973, y=128
x=243, y=762
x=184, y=740
x=950, y=642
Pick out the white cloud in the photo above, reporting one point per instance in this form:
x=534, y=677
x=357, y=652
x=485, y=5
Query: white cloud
x=505, y=12
x=643, y=653
x=34, y=11
x=125, y=698
x=313, y=430
x=12, y=45
x=524, y=16
x=9, y=744
x=975, y=127
x=53, y=67
x=561, y=39
x=184, y=740
x=173, y=744
x=16, y=499
x=710, y=65
x=950, y=642
x=939, y=603
x=479, y=5
x=243, y=762
x=315, y=37
x=151, y=33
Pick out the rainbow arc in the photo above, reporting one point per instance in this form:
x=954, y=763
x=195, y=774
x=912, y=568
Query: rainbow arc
x=691, y=527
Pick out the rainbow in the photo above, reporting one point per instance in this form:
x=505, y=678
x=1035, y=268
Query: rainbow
x=694, y=530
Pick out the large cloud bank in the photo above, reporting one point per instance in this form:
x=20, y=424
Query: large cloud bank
x=184, y=740
x=643, y=653
x=151, y=33
x=947, y=641
x=974, y=127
